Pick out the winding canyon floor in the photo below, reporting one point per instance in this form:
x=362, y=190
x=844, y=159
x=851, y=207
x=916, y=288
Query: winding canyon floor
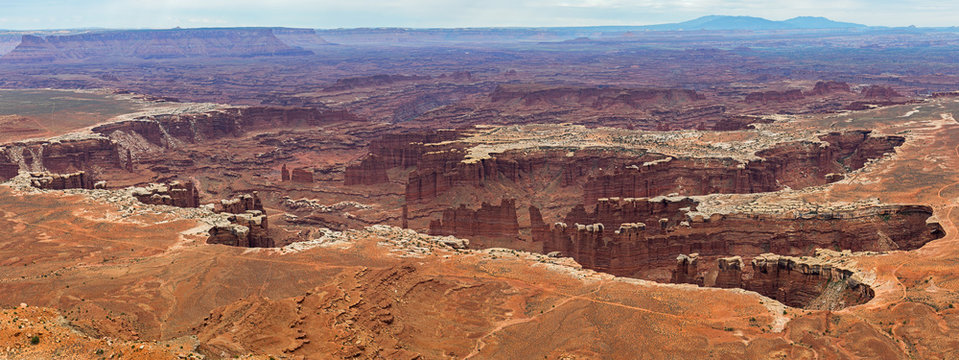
x=102, y=274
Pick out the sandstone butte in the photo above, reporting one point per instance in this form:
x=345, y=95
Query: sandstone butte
x=478, y=206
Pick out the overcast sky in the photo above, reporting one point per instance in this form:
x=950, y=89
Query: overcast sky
x=49, y=14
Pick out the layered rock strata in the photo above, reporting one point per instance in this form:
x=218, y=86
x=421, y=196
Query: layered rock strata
x=626, y=247
x=180, y=194
x=489, y=221
x=77, y=180
x=808, y=283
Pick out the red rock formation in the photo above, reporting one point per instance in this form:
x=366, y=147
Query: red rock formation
x=730, y=272
x=302, y=176
x=8, y=170
x=241, y=204
x=284, y=174
x=77, y=180
x=164, y=130
x=64, y=156
x=634, y=247
x=880, y=92
x=829, y=87
x=179, y=194
x=248, y=229
x=440, y=171
x=797, y=282
x=687, y=270
x=538, y=228
x=247, y=224
x=370, y=171
x=796, y=165
x=806, y=283
x=489, y=221
x=766, y=97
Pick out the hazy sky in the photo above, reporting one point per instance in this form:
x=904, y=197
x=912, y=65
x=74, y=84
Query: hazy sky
x=46, y=14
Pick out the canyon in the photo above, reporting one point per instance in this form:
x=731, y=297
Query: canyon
x=443, y=193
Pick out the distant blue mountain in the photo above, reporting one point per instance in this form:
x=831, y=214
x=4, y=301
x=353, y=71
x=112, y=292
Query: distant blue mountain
x=722, y=22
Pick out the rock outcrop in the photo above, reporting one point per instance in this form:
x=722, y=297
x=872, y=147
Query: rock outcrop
x=77, y=180
x=370, y=171
x=246, y=223
x=249, y=229
x=809, y=283
x=302, y=176
x=487, y=222
x=880, y=92
x=687, y=270
x=180, y=194
x=829, y=87
x=241, y=204
x=636, y=247
x=766, y=97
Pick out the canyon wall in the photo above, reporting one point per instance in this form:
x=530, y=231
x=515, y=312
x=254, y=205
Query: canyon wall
x=625, y=248
x=487, y=222
x=797, y=165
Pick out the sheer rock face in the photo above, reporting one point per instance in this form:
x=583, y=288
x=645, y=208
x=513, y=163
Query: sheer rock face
x=370, y=171
x=687, y=270
x=730, y=272
x=124, y=45
x=489, y=221
x=799, y=282
x=179, y=194
x=635, y=247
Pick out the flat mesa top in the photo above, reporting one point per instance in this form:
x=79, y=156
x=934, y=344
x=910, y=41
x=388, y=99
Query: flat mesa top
x=739, y=145
x=45, y=113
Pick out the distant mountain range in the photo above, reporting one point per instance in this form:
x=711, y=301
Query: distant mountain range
x=722, y=22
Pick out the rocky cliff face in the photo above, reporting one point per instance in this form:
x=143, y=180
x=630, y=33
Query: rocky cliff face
x=487, y=222
x=126, y=45
x=796, y=165
x=179, y=194
x=50, y=181
x=394, y=151
x=799, y=282
x=246, y=223
x=92, y=154
x=241, y=204
x=626, y=248
x=370, y=171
